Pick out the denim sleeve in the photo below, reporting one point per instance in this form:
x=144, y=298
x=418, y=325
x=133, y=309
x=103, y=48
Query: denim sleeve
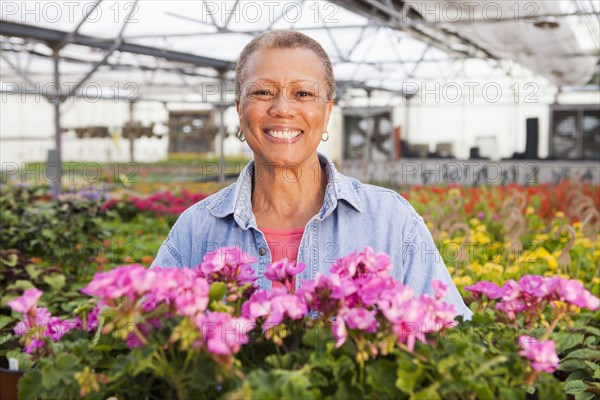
x=168, y=256
x=423, y=263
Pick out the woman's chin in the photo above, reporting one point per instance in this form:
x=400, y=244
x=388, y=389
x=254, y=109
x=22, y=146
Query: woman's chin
x=281, y=159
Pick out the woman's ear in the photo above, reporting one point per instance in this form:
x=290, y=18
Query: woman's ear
x=328, y=109
x=237, y=109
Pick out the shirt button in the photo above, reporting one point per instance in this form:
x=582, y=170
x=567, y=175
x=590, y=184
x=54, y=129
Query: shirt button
x=262, y=251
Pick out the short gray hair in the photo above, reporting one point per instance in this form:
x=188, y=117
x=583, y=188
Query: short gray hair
x=283, y=39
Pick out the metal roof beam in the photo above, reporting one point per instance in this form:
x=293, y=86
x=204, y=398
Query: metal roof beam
x=54, y=37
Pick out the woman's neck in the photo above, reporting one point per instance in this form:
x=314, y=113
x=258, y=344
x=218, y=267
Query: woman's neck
x=287, y=197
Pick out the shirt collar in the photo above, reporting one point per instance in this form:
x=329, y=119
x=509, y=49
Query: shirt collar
x=236, y=199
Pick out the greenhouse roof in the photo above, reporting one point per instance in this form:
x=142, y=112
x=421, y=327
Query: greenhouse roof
x=166, y=50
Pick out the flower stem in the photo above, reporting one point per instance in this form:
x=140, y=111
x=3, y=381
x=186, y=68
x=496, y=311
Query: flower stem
x=550, y=328
x=140, y=336
x=531, y=377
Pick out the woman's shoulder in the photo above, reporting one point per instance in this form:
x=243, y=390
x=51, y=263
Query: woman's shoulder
x=380, y=198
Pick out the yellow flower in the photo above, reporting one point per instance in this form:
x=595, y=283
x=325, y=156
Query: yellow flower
x=577, y=224
x=552, y=262
x=450, y=270
x=497, y=259
x=559, y=214
x=462, y=280
x=513, y=269
x=540, y=238
x=530, y=210
x=476, y=267
x=474, y=221
x=492, y=267
x=454, y=192
x=481, y=238
x=587, y=243
x=596, y=280
x=481, y=228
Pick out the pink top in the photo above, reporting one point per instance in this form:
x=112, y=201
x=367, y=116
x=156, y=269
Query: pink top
x=283, y=243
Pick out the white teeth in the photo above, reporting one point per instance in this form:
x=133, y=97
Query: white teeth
x=284, y=134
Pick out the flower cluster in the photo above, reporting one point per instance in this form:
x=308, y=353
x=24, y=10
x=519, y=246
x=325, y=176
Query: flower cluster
x=161, y=203
x=529, y=297
x=38, y=324
x=362, y=297
x=184, y=293
x=228, y=264
x=533, y=292
x=273, y=306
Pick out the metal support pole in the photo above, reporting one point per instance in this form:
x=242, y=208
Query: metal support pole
x=57, y=155
x=221, y=110
x=131, y=136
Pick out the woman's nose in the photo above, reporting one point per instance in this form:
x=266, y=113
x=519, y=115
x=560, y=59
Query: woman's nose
x=282, y=106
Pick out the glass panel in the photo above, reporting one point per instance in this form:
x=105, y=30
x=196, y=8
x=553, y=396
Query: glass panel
x=564, y=137
x=591, y=135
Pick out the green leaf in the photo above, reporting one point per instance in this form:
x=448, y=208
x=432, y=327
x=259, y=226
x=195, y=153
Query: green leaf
x=59, y=372
x=33, y=271
x=566, y=340
x=55, y=281
x=381, y=378
x=593, y=330
x=406, y=380
x=30, y=385
x=5, y=320
x=571, y=365
x=584, y=354
x=584, y=396
x=429, y=393
x=217, y=291
x=484, y=391
x=574, y=387
x=595, y=368
x=20, y=284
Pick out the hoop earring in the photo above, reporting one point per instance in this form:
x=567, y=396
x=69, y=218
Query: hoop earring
x=240, y=135
x=326, y=136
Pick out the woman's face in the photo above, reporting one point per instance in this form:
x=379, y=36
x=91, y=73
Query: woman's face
x=283, y=106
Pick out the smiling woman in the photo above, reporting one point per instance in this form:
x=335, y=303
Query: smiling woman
x=290, y=202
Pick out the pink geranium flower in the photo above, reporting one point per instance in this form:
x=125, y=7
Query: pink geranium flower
x=274, y=306
x=228, y=264
x=223, y=334
x=132, y=281
x=339, y=332
x=27, y=302
x=484, y=288
x=283, y=270
x=542, y=354
x=356, y=264
x=361, y=319
x=573, y=291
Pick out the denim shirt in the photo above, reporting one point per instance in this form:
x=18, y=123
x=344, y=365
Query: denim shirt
x=354, y=215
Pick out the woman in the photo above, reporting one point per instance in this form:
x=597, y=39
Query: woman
x=290, y=201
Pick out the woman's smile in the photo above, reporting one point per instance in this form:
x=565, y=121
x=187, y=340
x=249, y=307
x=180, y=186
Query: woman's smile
x=281, y=134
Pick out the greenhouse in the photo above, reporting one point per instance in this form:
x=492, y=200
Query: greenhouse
x=300, y=199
